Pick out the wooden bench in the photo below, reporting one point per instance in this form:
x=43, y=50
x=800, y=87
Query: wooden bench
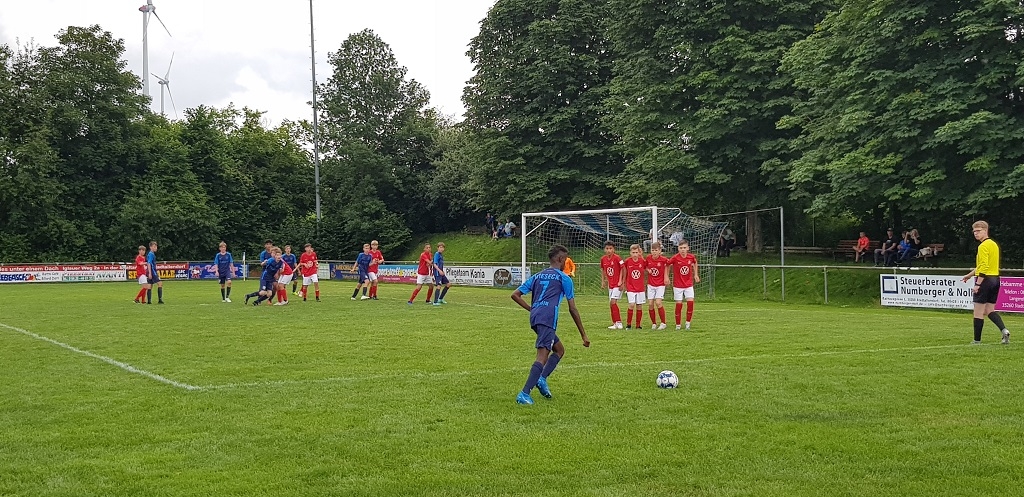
x=932, y=258
x=844, y=249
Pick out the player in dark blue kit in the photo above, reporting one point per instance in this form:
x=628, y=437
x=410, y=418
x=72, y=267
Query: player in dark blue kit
x=154, y=276
x=266, y=255
x=441, y=283
x=271, y=270
x=224, y=268
x=548, y=288
x=289, y=258
x=362, y=266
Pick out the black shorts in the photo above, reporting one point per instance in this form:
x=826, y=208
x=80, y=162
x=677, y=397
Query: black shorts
x=988, y=291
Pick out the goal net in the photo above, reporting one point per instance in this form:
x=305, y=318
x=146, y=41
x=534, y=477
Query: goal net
x=584, y=233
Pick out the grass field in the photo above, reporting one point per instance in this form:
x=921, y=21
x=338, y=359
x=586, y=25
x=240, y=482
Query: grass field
x=101, y=397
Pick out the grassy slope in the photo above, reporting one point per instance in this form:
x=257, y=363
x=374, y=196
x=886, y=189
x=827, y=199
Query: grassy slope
x=462, y=247
x=378, y=398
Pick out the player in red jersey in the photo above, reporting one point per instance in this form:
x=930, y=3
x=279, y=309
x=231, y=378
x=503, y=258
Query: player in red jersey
x=287, y=273
x=612, y=278
x=657, y=267
x=141, y=272
x=636, y=268
x=423, y=274
x=378, y=259
x=684, y=274
x=308, y=268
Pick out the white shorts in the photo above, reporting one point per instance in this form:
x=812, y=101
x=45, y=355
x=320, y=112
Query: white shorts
x=636, y=297
x=614, y=293
x=424, y=279
x=285, y=279
x=143, y=280
x=372, y=275
x=309, y=280
x=655, y=292
x=683, y=293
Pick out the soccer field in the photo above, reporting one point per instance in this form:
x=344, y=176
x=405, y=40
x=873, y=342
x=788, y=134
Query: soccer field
x=99, y=396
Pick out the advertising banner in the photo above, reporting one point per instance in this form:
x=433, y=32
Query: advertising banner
x=492, y=276
x=166, y=270
x=205, y=271
x=393, y=273
x=39, y=273
x=946, y=292
x=342, y=271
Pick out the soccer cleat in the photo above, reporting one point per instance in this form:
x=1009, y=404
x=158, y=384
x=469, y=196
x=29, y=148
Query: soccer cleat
x=524, y=399
x=976, y=342
x=353, y=298
x=364, y=297
x=409, y=302
x=278, y=303
x=318, y=299
x=247, y=299
x=542, y=387
x=629, y=327
x=654, y=326
x=1006, y=337
x=662, y=326
x=438, y=304
x=160, y=302
x=618, y=326
x=137, y=301
x=679, y=327
x=687, y=325
x=303, y=299
x=443, y=302
x=429, y=303
x=223, y=300
x=227, y=300
x=374, y=297
x=613, y=327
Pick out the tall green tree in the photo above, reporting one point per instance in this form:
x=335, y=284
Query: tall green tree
x=535, y=104
x=914, y=108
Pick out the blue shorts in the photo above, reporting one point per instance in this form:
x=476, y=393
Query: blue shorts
x=441, y=280
x=546, y=337
x=364, y=276
x=267, y=283
x=225, y=274
x=155, y=279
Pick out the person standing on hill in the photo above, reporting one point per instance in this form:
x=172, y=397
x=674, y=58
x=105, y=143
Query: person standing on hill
x=986, y=283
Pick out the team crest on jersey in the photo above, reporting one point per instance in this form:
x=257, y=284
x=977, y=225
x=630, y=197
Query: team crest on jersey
x=635, y=274
x=611, y=271
x=654, y=271
x=685, y=270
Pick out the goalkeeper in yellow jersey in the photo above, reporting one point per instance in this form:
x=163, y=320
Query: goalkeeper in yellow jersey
x=986, y=283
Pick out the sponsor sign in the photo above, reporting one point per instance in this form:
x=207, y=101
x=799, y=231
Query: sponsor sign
x=205, y=271
x=1011, y=294
x=39, y=273
x=394, y=273
x=470, y=275
x=343, y=272
x=166, y=271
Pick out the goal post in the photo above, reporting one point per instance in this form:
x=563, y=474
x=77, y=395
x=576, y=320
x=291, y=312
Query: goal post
x=585, y=232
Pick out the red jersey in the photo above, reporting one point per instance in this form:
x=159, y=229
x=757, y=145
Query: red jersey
x=376, y=255
x=656, y=269
x=425, y=260
x=635, y=270
x=682, y=270
x=286, y=270
x=307, y=264
x=140, y=266
x=612, y=267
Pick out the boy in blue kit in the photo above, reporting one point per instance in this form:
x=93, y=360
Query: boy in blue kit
x=548, y=287
x=362, y=265
x=154, y=276
x=224, y=268
x=271, y=270
x=441, y=283
x=289, y=258
x=266, y=255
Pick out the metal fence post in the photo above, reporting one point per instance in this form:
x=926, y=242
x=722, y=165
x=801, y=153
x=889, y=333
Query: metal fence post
x=764, y=282
x=825, y=270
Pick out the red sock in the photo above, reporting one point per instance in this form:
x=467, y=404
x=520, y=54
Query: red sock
x=661, y=314
x=282, y=295
x=616, y=315
x=639, y=317
x=430, y=291
x=679, y=313
x=373, y=291
x=304, y=292
x=318, y=294
x=414, y=294
x=141, y=297
x=689, y=310
x=629, y=317
x=654, y=317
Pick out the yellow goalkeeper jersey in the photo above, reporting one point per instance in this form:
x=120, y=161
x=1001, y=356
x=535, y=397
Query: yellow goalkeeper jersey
x=988, y=258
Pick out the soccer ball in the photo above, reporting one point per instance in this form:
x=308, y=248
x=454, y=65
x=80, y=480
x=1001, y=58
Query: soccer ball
x=667, y=379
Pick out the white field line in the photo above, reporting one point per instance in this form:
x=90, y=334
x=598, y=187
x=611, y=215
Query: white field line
x=449, y=374
x=114, y=362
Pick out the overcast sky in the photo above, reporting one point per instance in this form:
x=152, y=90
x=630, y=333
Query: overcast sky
x=255, y=53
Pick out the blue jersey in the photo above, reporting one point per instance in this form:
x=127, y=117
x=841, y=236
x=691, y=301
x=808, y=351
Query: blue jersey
x=271, y=269
x=289, y=259
x=363, y=261
x=548, y=288
x=224, y=262
x=264, y=256
x=151, y=260
x=438, y=263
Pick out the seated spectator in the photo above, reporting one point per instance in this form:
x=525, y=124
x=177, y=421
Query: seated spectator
x=501, y=230
x=726, y=242
x=861, y=247
x=676, y=238
x=886, y=254
x=913, y=247
x=510, y=228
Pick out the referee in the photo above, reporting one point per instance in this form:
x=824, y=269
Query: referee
x=986, y=283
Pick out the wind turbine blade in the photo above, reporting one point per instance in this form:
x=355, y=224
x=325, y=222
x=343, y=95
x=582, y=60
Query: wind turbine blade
x=155, y=75
x=168, y=75
x=162, y=23
x=171, y=96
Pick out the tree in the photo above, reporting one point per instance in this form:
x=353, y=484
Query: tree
x=535, y=107
x=912, y=108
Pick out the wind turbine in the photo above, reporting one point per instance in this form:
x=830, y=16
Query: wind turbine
x=165, y=84
x=146, y=11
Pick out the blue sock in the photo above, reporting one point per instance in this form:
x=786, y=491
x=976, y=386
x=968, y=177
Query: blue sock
x=355, y=292
x=531, y=381
x=551, y=365
x=149, y=295
x=160, y=293
x=444, y=292
x=229, y=291
x=251, y=295
x=364, y=291
x=262, y=298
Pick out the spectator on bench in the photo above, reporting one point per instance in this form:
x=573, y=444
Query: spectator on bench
x=887, y=254
x=861, y=247
x=913, y=247
x=510, y=228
